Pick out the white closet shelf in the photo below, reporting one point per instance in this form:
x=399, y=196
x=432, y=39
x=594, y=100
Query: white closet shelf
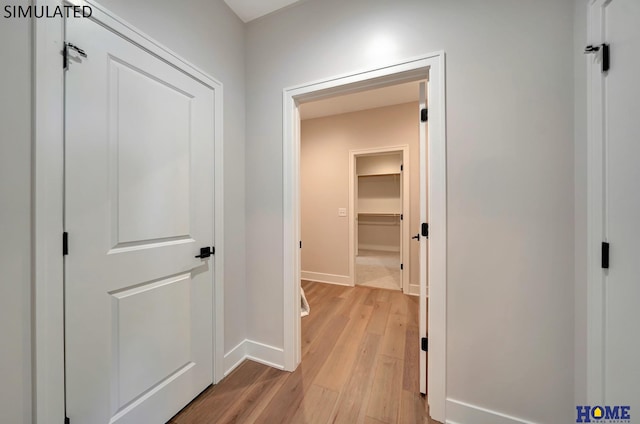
x=380, y=213
x=379, y=175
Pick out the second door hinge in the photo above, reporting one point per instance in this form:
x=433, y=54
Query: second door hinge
x=606, y=56
x=424, y=344
x=605, y=255
x=65, y=53
x=425, y=230
x=424, y=115
x=65, y=243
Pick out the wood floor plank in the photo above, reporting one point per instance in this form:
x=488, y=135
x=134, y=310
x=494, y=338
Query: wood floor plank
x=412, y=408
x=310, y=288
x=313, y=324
x=347, y=291
x=370, y=297
x=383, y=295
x=353, y=399
x=335, y=371
x=354, y=299
x=384, y=401
x=286, y=401
x=369, y=420
x=399, y=303
x=251, y=402
x=316, y=406
x=393, y=341
x=288, y=398
x=320, y=350
x=262, y=403
x=411, y=371
x=379, y=317
x=213, y=402
x=413, y=310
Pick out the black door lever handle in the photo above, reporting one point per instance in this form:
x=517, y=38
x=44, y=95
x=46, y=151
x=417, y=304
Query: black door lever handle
x=417, y=237
x=205, y=252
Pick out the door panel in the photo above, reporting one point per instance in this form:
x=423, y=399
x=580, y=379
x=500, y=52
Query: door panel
x=150, y=155
x=150, y=321
x=622, y=147
x=138, y=207
x=424, y=241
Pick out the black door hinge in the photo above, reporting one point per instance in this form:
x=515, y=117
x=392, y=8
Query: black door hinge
x=606, y=56
x=65, y=52
x=401, y=266
x=424, y=345
x=67, y=420
x=401, y=167
x=425, y=230
x=424, y=115
x=401, y=217
x=65, y=243
x=605, y=255
x=300, y=244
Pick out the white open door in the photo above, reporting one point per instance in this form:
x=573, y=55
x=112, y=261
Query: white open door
x=423, y=277
x=615, y=206
x=139, y=158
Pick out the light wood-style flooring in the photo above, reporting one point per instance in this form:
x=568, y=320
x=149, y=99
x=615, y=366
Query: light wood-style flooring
x=360, y=364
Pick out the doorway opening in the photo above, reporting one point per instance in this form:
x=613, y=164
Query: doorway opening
x=430, y=67
x=380, y=202
x=370, y=324
x=379, y=213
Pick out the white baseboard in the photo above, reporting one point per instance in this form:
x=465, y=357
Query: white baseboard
x=235, y=357
x=265, y=354
x=464, y=413
x=380, y=247
x=341, y=280
x=414, y=290
x=258, y=352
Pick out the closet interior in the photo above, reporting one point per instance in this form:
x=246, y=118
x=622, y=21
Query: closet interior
x=379, y=218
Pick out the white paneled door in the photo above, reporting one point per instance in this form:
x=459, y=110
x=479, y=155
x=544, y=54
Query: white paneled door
x=139, y=158
x=622, y=204
x=424, y=241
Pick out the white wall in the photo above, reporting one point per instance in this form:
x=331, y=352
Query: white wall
x=510, y=177
x=206, y=33
x=15, y=221
x=209, y=35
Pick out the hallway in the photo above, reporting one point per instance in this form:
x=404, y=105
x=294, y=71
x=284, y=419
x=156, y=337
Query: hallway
x=360, y=365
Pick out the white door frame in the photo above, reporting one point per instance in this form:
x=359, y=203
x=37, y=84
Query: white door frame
x=353, y=183
x=595, y=207
x=432, y=66
x=48, y=165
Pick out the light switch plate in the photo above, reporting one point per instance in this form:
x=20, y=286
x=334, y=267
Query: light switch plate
x=342, y=211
